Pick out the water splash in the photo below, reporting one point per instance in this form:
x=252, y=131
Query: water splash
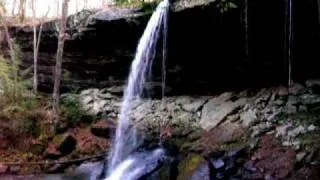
x=126, y=139
x=137, y=165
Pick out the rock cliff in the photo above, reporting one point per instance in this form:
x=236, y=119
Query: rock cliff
x=205, y=47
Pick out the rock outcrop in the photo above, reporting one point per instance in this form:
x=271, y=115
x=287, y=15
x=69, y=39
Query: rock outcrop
x=205, y=48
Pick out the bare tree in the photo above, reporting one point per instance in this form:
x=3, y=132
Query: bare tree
x=57, y=74
x=58, y=7
x=36, y=43
x=85, y=4
x=22, y=10
x=13, y=7
x=4, y=23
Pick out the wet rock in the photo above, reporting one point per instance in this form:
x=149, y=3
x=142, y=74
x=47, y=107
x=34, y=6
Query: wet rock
x=202, y=173
x=190, y=166
x=314, y=85
x=168, y=170
x=65, y=143
x=300, y=156
x=3, y=169
x=88, y=171
x=217, y=109
x=217, y=163
x=104, y=128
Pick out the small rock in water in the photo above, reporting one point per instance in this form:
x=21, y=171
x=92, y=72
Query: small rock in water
x=300, y=156
x=218, y=163
x=311, y=127
x=250, y=166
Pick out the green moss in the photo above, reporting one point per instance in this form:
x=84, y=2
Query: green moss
x=239, y=143
x=190, y=165
x=145, y=6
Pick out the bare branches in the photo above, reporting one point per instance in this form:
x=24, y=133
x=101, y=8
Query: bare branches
x=36, y=43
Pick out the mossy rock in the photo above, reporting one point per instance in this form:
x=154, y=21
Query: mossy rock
x=190, y=165
x=37, y=149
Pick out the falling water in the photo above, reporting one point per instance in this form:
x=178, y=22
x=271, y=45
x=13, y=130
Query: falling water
x=288, y=38
x=290, y=43
x=126, y=139
x=246, y=29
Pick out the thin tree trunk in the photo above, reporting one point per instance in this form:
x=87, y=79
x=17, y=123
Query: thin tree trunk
x=290, y=45
x=58, y=7
x=35, y=53
x=22, y=10
x=246, y=29
x=13, y=7
x=9, y=40
x=319, y=14
x=57, y=75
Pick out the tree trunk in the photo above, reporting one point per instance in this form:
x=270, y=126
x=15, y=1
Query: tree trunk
x=9, y=40
x=319, y=14
x=57, y=74
x=22, y=10
x=13, y=7
x=35, y=53
x=246, y=28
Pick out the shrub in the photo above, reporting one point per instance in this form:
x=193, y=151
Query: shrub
x=71, y=108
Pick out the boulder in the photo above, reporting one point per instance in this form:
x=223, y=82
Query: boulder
x=65, y=143
x=194, y=167
x=3, y=169
x=314, y=85
x=217, y=109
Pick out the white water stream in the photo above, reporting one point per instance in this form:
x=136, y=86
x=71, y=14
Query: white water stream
x=122, y=165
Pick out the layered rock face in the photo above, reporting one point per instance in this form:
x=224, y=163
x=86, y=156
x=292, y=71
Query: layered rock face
x=205, y=48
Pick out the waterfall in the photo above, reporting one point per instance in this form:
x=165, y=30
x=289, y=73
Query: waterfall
x=126, y=139
x=288, y=38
